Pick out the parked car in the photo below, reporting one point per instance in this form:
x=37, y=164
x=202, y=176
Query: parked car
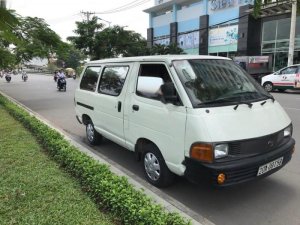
x=283, y=79
x=202, y=117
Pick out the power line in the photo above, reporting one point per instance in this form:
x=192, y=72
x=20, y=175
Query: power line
x=125, y=7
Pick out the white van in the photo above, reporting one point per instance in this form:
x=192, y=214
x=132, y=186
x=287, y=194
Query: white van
x=193, y=116
x=281, y=80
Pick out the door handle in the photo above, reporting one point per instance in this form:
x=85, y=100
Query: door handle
x=135, y=107
x=119, y=106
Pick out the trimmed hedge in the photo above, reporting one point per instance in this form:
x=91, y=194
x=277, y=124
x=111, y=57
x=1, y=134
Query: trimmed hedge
x=111, y=192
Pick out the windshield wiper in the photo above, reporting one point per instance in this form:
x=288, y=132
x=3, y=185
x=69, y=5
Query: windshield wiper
x=242, y=102
x=267, y=96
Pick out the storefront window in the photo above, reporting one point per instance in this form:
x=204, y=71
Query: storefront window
x=269, y=30
x=283, y=29
x=281, y=59
x=275, y=41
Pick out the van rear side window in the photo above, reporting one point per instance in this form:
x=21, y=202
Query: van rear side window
x=90, y=78
x=112, y=80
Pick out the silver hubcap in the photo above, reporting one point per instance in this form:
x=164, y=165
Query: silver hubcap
x=152, y=166
x=90, y=132
x=268, y=87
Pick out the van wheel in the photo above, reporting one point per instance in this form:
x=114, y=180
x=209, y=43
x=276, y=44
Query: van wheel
x=92, y=135
x=155, y=168
x=268, y=86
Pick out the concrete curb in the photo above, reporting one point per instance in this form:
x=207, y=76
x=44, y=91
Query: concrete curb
x=171, y=204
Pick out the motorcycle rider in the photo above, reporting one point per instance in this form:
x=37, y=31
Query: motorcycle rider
x=24, y=74
x=60, y=76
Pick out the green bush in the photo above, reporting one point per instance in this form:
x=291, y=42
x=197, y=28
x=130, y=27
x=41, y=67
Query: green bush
x=111, y=192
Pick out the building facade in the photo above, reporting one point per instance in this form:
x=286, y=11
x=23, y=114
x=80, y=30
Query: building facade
x=224, y=28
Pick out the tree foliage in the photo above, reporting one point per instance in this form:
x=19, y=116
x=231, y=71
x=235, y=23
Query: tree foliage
x=38, y=40
x=69, y=56
x=116, y=41
x=86, y=34
x=98, y=42
x=171, y=49
x=23, y=38
x=8, y=21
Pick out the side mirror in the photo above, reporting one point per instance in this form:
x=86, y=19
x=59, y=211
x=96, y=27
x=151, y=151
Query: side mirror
x=169, y=94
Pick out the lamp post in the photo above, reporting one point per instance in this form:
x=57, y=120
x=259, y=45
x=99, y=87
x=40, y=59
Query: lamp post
x=292, y=33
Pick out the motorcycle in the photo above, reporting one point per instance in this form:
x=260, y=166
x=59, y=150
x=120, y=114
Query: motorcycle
x=62, y=84
x=8, y=77
x=24, y=77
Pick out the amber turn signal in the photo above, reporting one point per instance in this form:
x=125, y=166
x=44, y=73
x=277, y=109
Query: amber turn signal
x=202, y=152
x=221, y=178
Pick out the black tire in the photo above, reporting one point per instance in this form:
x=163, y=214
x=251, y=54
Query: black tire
x=93, y=137
x=268, y=86
x=155, y=169
x=281, y=90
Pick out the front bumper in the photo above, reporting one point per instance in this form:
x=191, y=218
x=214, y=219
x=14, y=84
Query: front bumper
x=237, y=171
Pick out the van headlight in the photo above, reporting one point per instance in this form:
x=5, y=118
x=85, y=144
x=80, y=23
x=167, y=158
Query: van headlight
x=221, y=151
x=287, y=132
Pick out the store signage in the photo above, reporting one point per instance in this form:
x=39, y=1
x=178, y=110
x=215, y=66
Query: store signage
x=165, y=41
x=215, y=5
x=188, y=41
x=258, y=59
x=221, y=4
x=223, y=35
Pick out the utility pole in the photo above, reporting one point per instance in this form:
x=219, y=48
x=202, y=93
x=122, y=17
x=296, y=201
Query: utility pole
x=292, y=33
x=87, y=14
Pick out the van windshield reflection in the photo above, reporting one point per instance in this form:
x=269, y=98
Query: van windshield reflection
x=217, y=82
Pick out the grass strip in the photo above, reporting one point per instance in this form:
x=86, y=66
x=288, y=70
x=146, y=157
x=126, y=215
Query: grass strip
x=33, y=189
x=109, y=191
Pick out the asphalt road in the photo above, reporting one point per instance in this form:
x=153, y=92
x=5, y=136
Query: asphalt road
x=274, y=200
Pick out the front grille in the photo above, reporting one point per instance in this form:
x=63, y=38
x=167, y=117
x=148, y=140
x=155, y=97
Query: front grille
x=257, y=145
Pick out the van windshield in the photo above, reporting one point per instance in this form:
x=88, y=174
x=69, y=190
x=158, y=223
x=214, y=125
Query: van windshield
x=217, y=82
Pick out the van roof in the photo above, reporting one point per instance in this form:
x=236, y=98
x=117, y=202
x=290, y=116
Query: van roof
x=155, y=58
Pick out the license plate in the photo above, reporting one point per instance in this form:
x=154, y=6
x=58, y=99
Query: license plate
x=270, y=166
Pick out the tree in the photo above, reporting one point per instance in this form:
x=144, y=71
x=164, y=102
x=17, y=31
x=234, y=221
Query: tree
x=70, y=56
x=171, y=49
x=38, y=40
x=8, y=20
x=86, y=31
x=116, y=41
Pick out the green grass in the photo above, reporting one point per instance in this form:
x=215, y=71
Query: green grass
x=33, y=189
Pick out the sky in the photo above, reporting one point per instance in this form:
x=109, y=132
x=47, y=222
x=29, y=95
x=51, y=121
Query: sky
x=62, y=14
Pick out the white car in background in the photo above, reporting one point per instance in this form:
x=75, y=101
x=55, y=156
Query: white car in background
x=281, y=80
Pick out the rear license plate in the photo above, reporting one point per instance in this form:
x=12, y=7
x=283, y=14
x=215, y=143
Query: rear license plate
x=270, y=166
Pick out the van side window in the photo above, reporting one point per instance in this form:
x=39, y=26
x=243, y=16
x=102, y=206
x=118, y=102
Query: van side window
x=90, y=78
x=150, y=79
x=112, y=80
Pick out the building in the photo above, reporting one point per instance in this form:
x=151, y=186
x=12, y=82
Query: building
x=224, y=28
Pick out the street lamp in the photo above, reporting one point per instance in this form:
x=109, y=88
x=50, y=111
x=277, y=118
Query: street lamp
x=104, y=21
